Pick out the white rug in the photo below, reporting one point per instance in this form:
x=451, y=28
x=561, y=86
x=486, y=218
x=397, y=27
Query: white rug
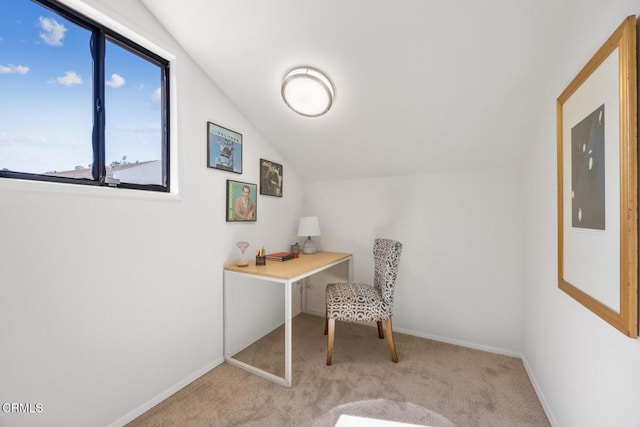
x=381, y=412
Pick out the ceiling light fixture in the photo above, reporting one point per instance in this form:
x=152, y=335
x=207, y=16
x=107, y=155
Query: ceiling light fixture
x=307, y=91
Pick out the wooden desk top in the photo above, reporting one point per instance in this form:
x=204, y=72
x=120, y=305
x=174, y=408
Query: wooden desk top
x=287, y=270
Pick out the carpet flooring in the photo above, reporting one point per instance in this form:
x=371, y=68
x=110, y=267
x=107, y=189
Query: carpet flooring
x=434, y=384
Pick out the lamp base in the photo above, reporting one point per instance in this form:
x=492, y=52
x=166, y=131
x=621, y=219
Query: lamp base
x=308, y=247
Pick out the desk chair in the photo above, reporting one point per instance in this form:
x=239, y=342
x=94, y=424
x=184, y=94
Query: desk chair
x=359, y=302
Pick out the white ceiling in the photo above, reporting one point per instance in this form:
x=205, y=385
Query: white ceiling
x=421, y=85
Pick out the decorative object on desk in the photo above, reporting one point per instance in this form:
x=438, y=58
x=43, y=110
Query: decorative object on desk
x=224, y=149
x=295, y=250
x=242, y=204
x=243, y=261
x=308, y=226
x=270, y=178
x=280, y=256
x=597, y=183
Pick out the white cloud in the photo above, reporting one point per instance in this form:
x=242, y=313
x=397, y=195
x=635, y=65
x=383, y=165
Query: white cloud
x=6, y=137
x=13, y=69
x=116, y=81
x=52, y=31
x=70, y=78
x=156, y=96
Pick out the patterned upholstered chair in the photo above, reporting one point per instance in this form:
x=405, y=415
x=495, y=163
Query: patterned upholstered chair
x=359, y=302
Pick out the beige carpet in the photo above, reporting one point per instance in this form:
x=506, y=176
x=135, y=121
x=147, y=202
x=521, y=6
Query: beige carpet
x=433, y=384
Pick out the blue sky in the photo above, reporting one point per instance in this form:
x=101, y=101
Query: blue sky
x=46, y=95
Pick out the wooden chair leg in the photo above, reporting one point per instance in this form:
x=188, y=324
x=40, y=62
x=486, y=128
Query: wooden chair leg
x=326, y=322
x=392, y=346
x=332, y=328
x=380, y=330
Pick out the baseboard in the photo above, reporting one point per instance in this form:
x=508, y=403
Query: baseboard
x=256, y=337
x=194, y=376
x=439, y=338
x=168, y=392
x=545, y=405
x=315, y=313
x=460, y=343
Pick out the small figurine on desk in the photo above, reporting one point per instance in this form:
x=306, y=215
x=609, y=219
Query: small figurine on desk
x=243, y=261
x=295, y=250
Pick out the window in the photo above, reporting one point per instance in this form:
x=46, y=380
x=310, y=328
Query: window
x=79, y=103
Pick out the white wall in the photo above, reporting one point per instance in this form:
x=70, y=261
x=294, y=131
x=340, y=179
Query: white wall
x=255, y=308
x=111, y=299
x=587, y=373
x=461, y=267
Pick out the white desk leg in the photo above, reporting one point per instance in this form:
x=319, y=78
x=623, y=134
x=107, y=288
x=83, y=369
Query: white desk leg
x=350, y=269
x=287, y=334
x=303, y=293
x=225, y=320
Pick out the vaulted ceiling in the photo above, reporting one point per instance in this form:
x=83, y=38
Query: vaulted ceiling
x=421, y=85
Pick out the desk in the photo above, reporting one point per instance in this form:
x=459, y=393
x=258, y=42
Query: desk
x=286, y=273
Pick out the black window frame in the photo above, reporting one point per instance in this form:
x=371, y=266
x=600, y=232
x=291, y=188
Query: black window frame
x=99, y=35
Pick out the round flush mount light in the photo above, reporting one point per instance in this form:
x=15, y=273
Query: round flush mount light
x=307, y=91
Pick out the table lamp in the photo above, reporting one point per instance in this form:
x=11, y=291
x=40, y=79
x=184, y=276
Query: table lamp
x=308, y=226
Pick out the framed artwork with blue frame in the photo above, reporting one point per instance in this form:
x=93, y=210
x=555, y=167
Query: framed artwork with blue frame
x=224, y=148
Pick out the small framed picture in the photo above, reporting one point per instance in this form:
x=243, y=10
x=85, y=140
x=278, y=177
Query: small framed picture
x=224, y=148
x=242, y=201
x=270, y=178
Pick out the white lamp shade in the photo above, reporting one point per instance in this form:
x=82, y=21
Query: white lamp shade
x=307, y=92
x=308, y=226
